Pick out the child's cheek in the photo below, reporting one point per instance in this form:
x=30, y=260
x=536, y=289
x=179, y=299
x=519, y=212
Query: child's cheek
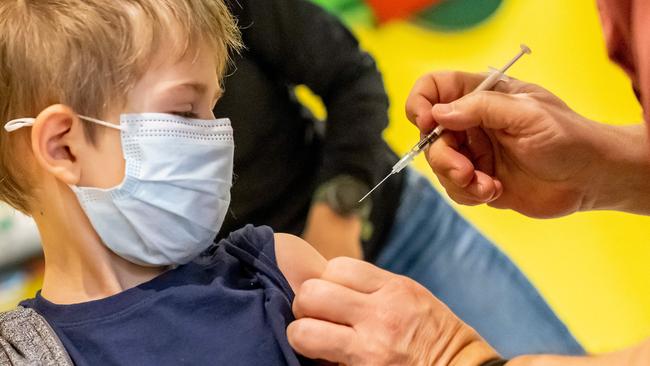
x=104, y=165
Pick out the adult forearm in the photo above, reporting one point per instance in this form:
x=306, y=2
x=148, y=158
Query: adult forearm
x=331, y=234
x=621, y=178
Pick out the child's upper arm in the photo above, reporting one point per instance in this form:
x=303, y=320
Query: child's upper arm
x=297, y=259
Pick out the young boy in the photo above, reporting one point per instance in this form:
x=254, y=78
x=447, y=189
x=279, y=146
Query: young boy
x=112, y=148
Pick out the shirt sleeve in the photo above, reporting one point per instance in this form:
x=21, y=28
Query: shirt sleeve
x=304, y=44
x=255, y=247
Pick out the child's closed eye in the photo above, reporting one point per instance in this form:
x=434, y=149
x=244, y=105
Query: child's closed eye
x=186, y=114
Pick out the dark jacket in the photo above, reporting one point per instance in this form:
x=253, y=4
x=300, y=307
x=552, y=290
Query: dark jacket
x=279, y=157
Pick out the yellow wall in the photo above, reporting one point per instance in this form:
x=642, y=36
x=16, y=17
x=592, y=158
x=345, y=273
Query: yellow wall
x=594, y=268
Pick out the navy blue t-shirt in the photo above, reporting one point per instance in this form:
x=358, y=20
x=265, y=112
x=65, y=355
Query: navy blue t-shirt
x=230, y=306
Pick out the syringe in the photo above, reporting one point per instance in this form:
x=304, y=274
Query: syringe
x=490, y=81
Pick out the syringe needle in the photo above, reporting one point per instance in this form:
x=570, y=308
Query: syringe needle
x=375, y=187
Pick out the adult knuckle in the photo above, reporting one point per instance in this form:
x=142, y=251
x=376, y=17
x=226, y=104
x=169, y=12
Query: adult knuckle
x=449, y=74
x=402, y=282
x=456, y=76
x=393, y=323
x=339, y=264
x=409, y=109
x=349, y=351
x=436, y=161
x=388, y=350
x=309, y=292
x=374, y=355
x=484, y=101
x=393, y=285
x=538, y=110
x=533, y=101
x=421, y=82
x=411, y=291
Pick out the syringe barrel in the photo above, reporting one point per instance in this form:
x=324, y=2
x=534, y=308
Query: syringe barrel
x=403, y=162
x=490, y=81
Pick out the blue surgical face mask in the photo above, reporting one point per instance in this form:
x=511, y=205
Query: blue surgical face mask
x=175, y=193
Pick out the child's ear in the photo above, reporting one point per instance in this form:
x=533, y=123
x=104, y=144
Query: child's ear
x=57, y=138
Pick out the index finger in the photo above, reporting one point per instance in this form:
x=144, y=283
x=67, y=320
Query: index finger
x=437, y=87
x=318, y=339
x=448, y=86
x=356, y=274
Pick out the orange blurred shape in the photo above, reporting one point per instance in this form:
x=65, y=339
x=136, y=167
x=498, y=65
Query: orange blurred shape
x=386, y=10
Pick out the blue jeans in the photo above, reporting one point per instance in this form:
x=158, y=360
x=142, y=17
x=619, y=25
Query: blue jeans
x=432, y=244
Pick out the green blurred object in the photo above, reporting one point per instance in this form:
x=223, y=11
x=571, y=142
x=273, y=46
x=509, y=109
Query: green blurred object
x=449, y=15
x=5, y=224
x=338, y=6
x=350, y=11
x=455, y=15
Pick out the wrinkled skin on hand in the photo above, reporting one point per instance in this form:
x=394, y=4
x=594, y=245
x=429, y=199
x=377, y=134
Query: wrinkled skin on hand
x=357, y=314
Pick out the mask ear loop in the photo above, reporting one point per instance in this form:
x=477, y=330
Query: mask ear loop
x=17, y=124
x=101, y=123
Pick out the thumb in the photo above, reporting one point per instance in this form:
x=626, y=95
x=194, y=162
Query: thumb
x=488, y=109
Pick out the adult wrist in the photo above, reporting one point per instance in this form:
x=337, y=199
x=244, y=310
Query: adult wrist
x=342, y=194
x=621, y=172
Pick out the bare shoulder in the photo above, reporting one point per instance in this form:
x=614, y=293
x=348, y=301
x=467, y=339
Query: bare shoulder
x=297, y=259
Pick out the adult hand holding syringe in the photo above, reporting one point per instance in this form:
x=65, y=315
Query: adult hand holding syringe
x=490, y=81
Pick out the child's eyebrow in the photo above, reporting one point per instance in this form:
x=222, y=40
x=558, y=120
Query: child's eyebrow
x=199, y=88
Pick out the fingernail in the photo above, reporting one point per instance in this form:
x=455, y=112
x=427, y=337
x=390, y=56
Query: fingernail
x=493, y=197
x=480, y=190
x=442, y=108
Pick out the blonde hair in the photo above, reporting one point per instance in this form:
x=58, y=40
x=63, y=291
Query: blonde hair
x=87, y=54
